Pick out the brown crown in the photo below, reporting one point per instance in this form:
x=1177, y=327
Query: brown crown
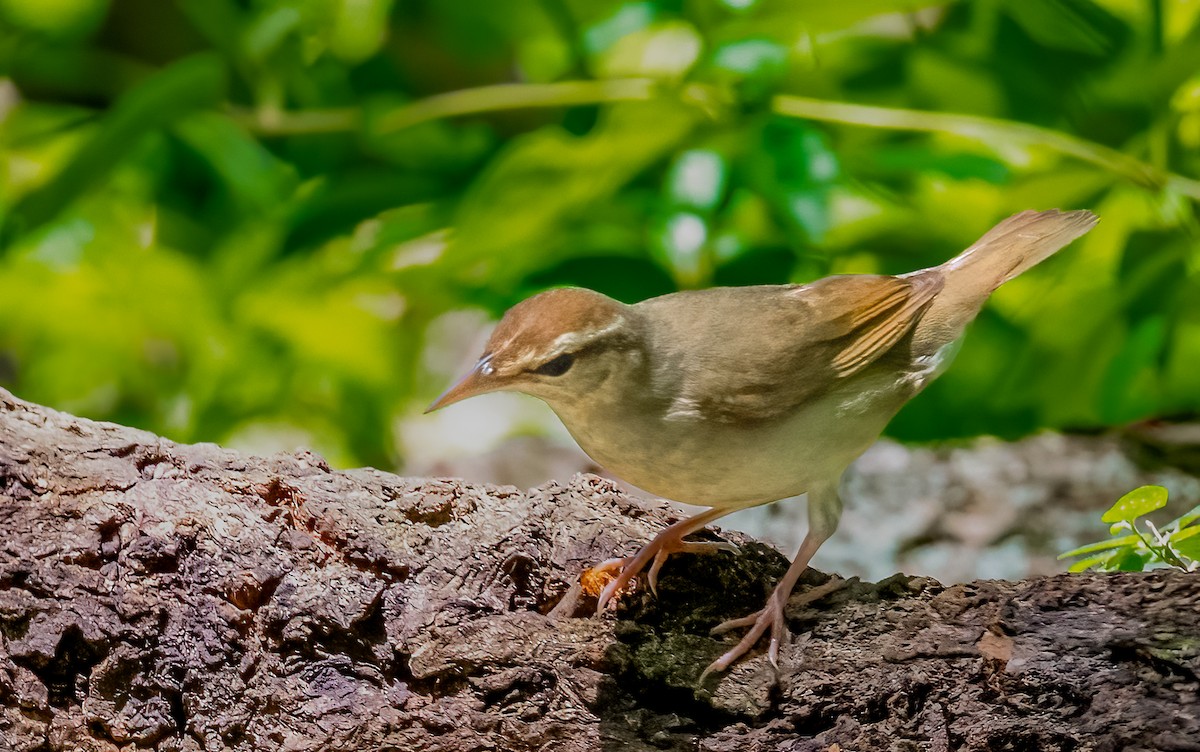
x=529, y=329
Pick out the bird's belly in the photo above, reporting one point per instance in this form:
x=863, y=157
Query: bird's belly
x=728, y=465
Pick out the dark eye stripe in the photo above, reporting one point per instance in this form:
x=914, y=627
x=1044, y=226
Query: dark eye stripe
x=557, y=366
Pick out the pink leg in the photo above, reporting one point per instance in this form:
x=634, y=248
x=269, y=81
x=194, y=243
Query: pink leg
x=824, y=510
x=667, y=542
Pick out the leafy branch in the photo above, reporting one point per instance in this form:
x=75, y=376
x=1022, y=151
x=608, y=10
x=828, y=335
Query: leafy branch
x=987, y=130
x=1133, y=549
x=515, y=96
x=475, y=101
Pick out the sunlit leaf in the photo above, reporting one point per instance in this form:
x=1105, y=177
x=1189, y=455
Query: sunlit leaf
x=252, y=174
x=1130, y=560
x=437, y=147
x=794, y=170
x=751, y=57
x=661, y=50
x=359, y=28
x=681, y=242
x=547, y=176
x=1138, y=502
x=791, y=20
x=1125, y=540
x=697, y=178
x=1076, y=25
x=55, y=18
x=629, y=18
x=1189, y=547
x=1099, y=561
x=182, y=88
x=269, y=31
x=1185, y=534
x=1186, y=520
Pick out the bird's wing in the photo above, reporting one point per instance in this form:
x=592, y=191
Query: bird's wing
x=810, y=337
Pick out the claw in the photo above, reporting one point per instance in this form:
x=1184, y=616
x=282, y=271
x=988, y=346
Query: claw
x=655, y=553
x=779, y=633
x=770, y=617
x=824, y=508
x=652, y=575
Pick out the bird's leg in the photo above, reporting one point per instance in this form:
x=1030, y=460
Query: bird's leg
x=669, y=541
x=824, y=511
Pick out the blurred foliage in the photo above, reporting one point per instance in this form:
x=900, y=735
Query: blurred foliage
x=223, y=217
x=1136, y=544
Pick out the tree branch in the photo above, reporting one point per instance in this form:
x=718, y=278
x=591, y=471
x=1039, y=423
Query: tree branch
x=189, y=597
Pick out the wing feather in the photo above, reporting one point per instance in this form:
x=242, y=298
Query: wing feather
x=819, y=334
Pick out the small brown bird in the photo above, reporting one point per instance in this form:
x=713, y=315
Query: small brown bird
x=737, y=396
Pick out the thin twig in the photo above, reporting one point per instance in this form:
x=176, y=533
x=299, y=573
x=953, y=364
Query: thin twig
x=455, y=104
x=988, y=130
x=515, y=96
x=275, y=122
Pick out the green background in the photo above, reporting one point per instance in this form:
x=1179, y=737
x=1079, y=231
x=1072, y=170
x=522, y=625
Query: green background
x=224, y=217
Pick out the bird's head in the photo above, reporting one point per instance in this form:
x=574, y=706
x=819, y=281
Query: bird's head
x=558, y=345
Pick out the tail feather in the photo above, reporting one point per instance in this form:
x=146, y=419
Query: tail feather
x=1016, y=245
x=1010, y=248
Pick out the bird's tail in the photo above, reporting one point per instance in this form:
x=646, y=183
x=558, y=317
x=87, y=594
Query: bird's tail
x=1010, y=248
x=1013, y=247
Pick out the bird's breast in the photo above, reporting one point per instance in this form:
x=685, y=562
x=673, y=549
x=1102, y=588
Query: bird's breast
x=691, y=459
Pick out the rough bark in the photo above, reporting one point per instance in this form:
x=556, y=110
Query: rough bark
x=191, y=598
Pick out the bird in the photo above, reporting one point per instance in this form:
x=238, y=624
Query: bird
x=732, y=397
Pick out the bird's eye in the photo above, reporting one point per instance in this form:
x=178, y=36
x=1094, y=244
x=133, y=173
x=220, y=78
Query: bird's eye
x=557, y=366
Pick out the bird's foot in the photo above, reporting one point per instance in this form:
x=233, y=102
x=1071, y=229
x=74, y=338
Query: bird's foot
x=654, y=553
x=770, y=617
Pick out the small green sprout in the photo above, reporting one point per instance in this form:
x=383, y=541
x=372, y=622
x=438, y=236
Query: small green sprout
x=1134, y=548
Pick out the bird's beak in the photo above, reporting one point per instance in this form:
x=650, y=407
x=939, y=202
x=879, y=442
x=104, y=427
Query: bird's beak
x=478, y=380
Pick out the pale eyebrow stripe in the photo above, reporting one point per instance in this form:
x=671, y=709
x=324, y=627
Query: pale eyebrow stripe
x=566, y=343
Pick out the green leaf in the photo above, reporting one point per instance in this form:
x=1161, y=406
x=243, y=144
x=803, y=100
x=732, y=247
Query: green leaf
x=1188, y=519
x=61, y=19
x=1125, y=540
x=439, y=146
x=665, y=49
x=543, y=178
x=1076, y=25
x=1099, y=561
x=1129, y=560
x=253, y=175
x=184, y=87
x=1136, y=503
x=268, y=31
x=791, y=20
x=793, y=167
x=1185, y=533
x=1189, y=547
x=630, y=18
x=359, y=28
x=959, y=165
x=1130, y=386
x=739, y=5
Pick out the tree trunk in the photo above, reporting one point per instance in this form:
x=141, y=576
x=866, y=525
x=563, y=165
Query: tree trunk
x=171, y=597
